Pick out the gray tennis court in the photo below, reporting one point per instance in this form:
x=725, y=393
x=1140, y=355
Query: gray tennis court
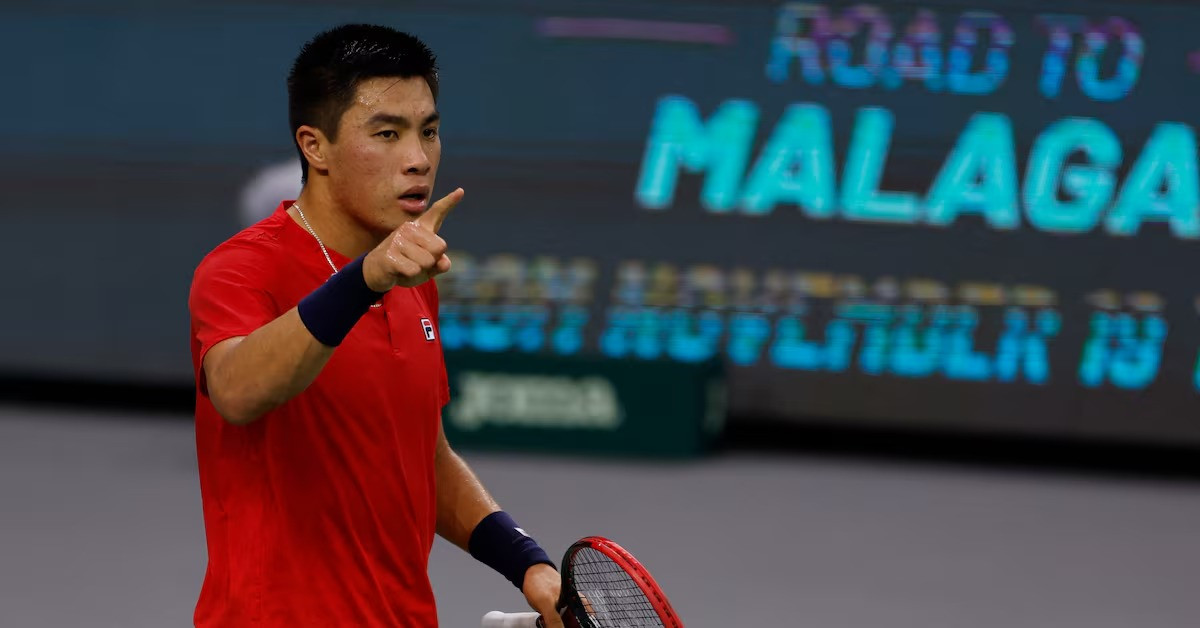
x=101, y=526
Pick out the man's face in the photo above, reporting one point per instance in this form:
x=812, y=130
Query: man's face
x=384, y=162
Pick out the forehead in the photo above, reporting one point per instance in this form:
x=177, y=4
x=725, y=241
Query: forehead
x=409, y=97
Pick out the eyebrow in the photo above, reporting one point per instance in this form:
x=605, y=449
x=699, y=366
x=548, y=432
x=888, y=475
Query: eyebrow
x=401, y=121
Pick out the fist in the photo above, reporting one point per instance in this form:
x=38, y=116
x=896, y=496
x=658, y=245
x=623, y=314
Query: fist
x=412, y=254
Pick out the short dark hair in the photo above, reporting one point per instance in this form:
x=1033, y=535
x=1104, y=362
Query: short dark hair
x=330, y=66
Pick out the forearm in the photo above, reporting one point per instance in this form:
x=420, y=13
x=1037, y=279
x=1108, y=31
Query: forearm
x=265, y=369
x=470, y=518
x=462, y=501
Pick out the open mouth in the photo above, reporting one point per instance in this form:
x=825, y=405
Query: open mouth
x=415, y=199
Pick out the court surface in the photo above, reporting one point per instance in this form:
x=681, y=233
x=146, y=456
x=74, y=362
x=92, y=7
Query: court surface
x=101, y=526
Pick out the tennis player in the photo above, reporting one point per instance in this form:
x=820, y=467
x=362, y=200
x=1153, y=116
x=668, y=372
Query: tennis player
x=320, y=379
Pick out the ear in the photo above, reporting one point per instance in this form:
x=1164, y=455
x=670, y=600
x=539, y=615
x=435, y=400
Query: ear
x=315, y=146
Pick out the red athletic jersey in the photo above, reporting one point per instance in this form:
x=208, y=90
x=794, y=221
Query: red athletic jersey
x=322, y=512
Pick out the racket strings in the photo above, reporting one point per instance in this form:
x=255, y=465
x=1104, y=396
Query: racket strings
x=610, y=594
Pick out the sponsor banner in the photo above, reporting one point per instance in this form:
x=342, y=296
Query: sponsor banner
x=576, y=404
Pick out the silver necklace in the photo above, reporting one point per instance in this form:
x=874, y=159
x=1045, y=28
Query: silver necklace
x=321, y=244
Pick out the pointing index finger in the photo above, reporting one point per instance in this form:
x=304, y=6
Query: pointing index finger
x=433, y=218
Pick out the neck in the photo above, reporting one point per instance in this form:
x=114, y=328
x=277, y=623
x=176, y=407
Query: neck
x=335, y=228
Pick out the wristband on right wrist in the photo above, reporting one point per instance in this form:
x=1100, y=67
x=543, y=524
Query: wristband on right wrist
x=332, y=310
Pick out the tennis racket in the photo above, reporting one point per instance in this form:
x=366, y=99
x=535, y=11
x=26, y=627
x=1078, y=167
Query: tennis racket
x=603, y=586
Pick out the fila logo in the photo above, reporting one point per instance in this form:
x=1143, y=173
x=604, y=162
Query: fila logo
x=428, y=327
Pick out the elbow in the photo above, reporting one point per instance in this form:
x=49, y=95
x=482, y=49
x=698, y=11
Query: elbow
x=238, y=417
x=237, y=407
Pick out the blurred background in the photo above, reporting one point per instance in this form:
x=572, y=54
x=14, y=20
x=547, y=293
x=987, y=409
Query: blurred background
x=853, y=315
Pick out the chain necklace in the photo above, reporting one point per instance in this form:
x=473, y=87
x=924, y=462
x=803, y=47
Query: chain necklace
x=321, y=244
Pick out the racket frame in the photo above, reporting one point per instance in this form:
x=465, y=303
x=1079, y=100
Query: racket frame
x=623, y=559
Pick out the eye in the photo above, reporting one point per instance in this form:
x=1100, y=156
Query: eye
x=388, y=134
x=430, y=133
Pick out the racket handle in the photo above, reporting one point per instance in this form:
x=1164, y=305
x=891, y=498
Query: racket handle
x=496, y=619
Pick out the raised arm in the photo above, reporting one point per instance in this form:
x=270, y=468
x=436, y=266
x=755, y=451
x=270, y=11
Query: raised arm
x=248, y=376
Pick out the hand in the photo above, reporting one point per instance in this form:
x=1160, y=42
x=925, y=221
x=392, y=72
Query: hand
x=412, y=254
x=542, y=588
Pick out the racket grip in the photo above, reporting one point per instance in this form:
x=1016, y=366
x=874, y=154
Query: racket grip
x=496, y=619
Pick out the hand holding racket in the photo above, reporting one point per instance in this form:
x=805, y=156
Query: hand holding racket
x=603, y=586
x=543, y=589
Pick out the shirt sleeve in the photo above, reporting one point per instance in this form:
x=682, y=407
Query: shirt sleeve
x=229, y=298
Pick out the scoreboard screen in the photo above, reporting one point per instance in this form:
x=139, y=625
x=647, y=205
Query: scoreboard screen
x=976, y=215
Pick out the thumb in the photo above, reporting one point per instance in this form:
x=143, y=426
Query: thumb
x=432, y=219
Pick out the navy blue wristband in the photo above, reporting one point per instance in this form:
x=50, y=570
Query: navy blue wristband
x=331, y=311
x=501, y=544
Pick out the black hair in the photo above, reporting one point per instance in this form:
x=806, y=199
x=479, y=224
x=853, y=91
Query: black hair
x=329, y=68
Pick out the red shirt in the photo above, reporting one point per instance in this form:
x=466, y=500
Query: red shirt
x=322, y=512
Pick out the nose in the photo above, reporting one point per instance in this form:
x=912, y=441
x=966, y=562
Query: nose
x=416, y=158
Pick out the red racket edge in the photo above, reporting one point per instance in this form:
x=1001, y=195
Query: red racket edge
x=641, y=576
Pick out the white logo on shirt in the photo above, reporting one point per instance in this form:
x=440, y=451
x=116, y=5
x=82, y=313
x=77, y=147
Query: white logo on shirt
x=427, y=325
